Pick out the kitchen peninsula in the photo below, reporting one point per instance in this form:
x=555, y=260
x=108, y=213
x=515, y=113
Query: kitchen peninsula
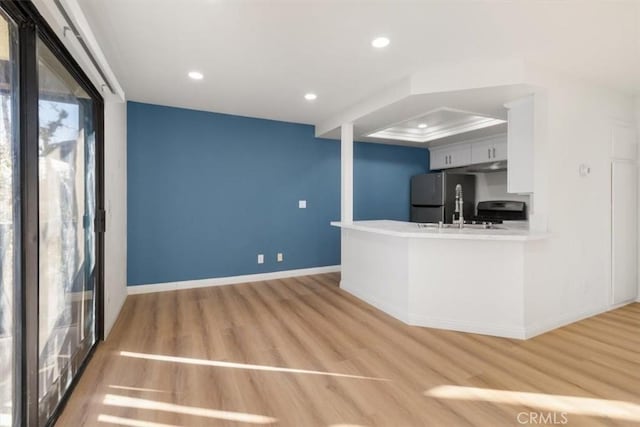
x=470, y=280
x=553, y=144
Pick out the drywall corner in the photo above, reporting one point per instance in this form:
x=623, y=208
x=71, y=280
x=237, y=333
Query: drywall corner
x=115, y=242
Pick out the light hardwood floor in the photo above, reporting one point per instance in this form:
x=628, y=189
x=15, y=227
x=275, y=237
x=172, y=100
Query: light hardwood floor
x=302, y=352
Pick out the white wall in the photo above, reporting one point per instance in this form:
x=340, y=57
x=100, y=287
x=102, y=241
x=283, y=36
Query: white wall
x=568, y=275
x=115, y=245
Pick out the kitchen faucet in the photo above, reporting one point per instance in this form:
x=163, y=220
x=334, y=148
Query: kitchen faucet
x=459, y=206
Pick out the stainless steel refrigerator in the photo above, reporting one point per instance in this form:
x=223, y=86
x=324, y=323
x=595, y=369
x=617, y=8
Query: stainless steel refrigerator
x=433, y=196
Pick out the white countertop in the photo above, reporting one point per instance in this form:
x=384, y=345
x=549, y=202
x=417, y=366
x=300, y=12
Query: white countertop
x=411, y=229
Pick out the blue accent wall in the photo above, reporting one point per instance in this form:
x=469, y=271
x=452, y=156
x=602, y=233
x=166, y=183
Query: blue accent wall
x=207, y=192
x=381, y=179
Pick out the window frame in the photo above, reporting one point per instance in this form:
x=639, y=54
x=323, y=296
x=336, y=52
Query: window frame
x=31, y=26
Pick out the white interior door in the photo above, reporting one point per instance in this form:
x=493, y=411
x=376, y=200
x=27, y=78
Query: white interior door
x=624, y=217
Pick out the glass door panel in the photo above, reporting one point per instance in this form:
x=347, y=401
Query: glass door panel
x=67, y=201
x=9, y=208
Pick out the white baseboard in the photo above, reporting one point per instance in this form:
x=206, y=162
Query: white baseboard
x=469, y=327
x=507, y=331
x=549, y=325
x=429, y=322
x=380, y=304
x=622, y=304
x=232, y=280
x=543, y=327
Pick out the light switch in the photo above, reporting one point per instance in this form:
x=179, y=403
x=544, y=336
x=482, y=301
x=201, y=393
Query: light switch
x=302, y=204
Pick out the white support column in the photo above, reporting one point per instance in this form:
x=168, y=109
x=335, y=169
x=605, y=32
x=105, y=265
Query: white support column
x=346, y=162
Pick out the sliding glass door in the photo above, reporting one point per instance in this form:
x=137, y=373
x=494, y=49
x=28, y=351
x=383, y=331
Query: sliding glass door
x=50, y=204
x=9, y=231
x=67, y=199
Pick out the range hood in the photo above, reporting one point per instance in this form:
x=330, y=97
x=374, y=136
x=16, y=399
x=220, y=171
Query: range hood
x=482, y=167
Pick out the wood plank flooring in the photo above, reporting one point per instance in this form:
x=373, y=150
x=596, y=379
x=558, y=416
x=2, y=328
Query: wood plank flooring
x=302, y=352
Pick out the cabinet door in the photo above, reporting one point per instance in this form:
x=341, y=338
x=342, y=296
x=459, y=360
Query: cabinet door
x=492, y=150
x=499, y=151
x=460, y=156
x=450, y=157
x=438, y=159
x=481, y=152
x=624, y=255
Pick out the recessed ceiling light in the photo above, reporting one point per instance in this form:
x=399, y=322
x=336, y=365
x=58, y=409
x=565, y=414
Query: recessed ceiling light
x=310, y=96
x=195, y=75
x=380, y=42
x=422, y=125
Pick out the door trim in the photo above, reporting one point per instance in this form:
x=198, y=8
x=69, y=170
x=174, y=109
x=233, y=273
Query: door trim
x=613, y=163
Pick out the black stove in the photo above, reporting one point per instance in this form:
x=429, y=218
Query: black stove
x=497, y=211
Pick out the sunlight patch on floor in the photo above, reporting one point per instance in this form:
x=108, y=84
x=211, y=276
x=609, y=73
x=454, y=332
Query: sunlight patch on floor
x=234, y=365
x=132, y=402
x=151, y=390
x=110, y=419
x=588, y=406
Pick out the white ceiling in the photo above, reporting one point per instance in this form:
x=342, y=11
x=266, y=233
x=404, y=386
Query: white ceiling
x=259, y=57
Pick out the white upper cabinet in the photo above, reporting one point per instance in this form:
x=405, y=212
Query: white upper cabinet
x=459, y=155
x=450, y=156
x=491, y=150
x=438, y=159
x=468, y=153
x=520, y=139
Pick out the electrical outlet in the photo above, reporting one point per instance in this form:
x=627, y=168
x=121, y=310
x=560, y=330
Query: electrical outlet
x=302, y=204
x=280, y=257
x=260, y=259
